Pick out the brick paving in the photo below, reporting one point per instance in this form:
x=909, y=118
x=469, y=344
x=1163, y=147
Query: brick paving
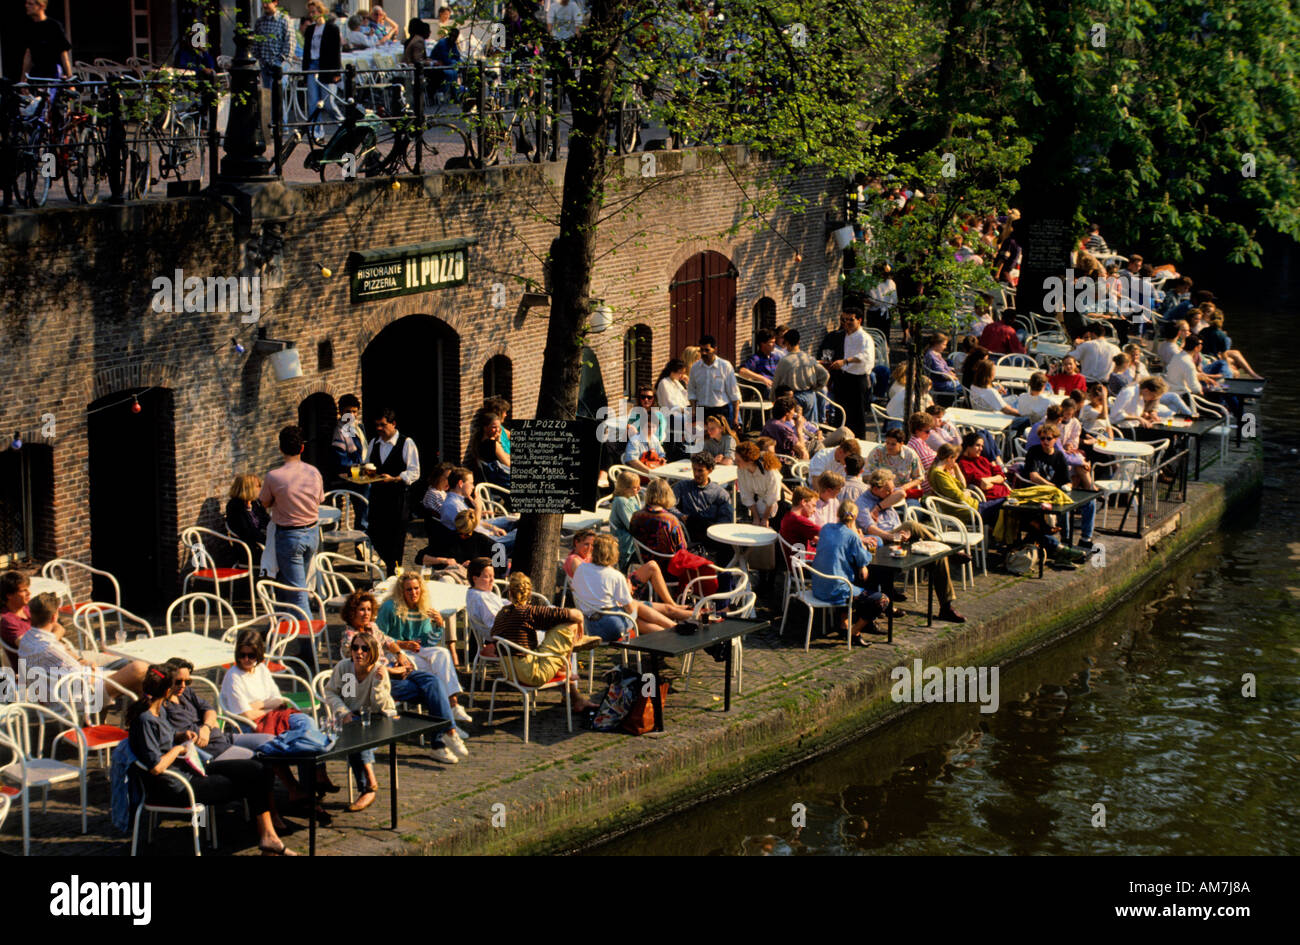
x=564, y=788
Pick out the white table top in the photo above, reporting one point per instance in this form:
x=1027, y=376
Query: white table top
x=1118, y=447
x=740, y=535
x=44, y=585
x=203, y=651
x=1050, y=348
x=1018, y=375
x=722, y=475
x=447, y=598
x=575, y=521
x=980, y=419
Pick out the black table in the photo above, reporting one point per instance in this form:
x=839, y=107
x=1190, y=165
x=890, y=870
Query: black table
x=1243, y=388
x=882, y=560
x=1197, y=430
x=354, y=738
x=1078, y=499
x=665, y=643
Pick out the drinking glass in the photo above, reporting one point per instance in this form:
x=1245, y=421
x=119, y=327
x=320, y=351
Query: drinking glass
x=365, y=717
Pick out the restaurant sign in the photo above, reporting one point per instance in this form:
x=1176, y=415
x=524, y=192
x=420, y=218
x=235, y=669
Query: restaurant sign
x=406, y=270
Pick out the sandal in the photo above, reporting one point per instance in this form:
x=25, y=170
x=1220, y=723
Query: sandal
x=273, y=851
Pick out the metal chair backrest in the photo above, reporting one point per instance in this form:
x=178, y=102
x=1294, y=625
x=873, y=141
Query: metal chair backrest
x=346, y=501
x=90, y=616
x=67, y=570
x=211, y=607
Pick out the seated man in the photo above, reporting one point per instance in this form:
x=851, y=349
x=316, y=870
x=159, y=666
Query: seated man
x=701, y=502
x=783, y=429
x=760, y=367
x=43, y=648
x=460, y=496
x=1045, y=465
x=830, y=458
x=878, y=518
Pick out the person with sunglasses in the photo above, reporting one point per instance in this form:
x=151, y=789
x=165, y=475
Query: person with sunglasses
x=1046, y=465
x=161, y=748
x=645, y=431
x=187, y=711
x=358, y=684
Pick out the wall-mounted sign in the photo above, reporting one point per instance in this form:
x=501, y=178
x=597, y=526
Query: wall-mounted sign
x=406, y=270
x=553, y=465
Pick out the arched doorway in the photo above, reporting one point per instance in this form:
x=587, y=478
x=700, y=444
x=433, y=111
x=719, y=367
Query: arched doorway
x=413, y=366
x=132, y=472
x=702, y=301
x=316, y=417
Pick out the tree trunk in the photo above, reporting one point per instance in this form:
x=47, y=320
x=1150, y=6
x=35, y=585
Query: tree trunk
x=572, y=258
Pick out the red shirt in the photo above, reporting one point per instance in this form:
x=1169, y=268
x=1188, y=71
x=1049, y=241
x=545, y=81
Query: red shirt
x=12, y=628
x=799, y=530
x=1000, y=338
x=980, y=468
x=1064, y=383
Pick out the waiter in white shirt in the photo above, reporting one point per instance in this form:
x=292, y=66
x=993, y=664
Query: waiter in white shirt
x=855, y=367
x=713, y=384
x=397, y=461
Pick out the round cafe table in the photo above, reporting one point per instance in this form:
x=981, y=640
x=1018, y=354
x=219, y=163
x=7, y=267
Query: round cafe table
x=1128, y=449
x=743, y=538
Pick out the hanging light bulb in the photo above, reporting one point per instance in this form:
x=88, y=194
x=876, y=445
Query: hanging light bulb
x=602, y=316
x=325, y=270
x=397, y=184
x=239, y=349
x=18, y=442
x=135, y=404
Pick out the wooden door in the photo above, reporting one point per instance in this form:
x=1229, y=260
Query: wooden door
x=702, y=301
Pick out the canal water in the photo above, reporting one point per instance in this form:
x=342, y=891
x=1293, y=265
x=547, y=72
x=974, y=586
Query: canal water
x=1143, y=712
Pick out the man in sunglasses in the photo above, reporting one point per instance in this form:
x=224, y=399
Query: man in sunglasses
x=645, y=429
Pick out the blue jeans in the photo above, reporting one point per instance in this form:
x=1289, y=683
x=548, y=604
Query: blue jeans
x=294, y=549
x=1087, y=513
x=318, y=91
x=811, y=408
x=357, y=762
x=607, y=626
x=426, y=690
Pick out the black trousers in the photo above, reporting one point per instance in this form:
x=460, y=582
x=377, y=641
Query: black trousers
x=225, y=781
x=853, y=392
x=387, y=529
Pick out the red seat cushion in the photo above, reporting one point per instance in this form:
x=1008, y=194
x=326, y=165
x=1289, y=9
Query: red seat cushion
x=304, y=627
x=272, y=665
x=7, y=789
x=220, y=574
x=561, y=676
x=99, y=736
x=72, y=608
x=489, y=650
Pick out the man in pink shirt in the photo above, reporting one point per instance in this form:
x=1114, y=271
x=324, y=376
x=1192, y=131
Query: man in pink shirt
x=292, y=493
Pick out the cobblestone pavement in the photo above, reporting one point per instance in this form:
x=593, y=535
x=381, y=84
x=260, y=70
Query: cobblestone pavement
x=589, y=779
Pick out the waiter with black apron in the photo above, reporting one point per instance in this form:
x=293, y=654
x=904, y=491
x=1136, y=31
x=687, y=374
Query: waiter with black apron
x=397, y=465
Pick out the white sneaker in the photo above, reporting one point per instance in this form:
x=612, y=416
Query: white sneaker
x=453, y=741
x=444, y=754
x=459, y=714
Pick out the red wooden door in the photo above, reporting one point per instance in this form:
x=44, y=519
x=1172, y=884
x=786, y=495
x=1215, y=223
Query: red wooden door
x=702, y=301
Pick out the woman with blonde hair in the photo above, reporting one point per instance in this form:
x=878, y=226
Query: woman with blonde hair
x=720, y=439
x=599, y=585
x=625, y=504
x=410, y=619
x=360, y=683
x=551, y=632
x=654, y=526
x=245, y=517
x=758, y=482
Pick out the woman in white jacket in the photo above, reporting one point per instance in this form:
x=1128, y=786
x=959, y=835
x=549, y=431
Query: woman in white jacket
x=758, y=481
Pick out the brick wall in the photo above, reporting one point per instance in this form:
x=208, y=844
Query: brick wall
x=76, y=287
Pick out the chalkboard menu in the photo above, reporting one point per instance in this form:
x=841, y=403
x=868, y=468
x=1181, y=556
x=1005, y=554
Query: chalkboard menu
x=1046, y=244
x=553, y=465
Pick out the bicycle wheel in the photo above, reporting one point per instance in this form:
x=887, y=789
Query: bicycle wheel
x=630, y=134
x=96, y=161
x=72, y=153
x=448, y=146
x=139, y=166
x=36, y=182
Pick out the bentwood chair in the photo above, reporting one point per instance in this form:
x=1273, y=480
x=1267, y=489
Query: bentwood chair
x=204, y=569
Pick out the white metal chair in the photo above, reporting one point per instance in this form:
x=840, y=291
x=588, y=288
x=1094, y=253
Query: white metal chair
x=507, y=652
x=1017, y=360
x=91, y=617
x=9, y=750
x=334, y=587
x=344, y=531
x=71, y=573
x=882, y=420
x=1120, y=479
x=198, y=814
x=204, y=569
x=803, y=573
x=970, y=535
x=31, y=769
x=74, y=693
x=755, y=402
x=200, y=612
x=789, y=552
x=1205, y=406
x=616, y=468
x=293, y=620
x=493, y=498
x=825, y=404
x=732, y=600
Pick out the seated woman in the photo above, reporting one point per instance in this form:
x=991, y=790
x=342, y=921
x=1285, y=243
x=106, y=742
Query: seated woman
x=360, y=682
x=986, y=475
x=1217, y=345
x=158, y=746
x=482, y=602
x=942, y=376
x=552, y=632
x=245, y=517
x=1094, y=415
x=640, y=575
x=1071, y=445
x=409, y=617
x=941, y=430
x=720, y=440
x=434, y=496
x=598, y=585
x=842, y=553
x=1068, y=377
x=187, y=711
x=919, y=425
x=758, y=482
x=947, y=481
x=985, y=395
x=655, y=526
x=898, y=400
x=408, y=680
x=625, y=504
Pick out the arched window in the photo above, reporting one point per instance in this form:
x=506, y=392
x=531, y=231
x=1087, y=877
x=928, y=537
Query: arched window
x=764, y=314
x=638, y=369
x=499, y=378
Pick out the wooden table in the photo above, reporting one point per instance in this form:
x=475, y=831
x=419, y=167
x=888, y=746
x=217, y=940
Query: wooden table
x=203, y=651
x=664, y=643
x=354, y=738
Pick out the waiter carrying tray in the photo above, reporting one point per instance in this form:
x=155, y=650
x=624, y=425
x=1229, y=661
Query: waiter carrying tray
x=396, y=464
